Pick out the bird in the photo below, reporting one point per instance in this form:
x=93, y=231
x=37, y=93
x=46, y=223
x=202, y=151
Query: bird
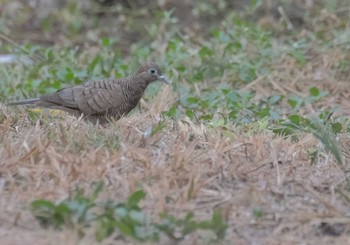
x=101, y=100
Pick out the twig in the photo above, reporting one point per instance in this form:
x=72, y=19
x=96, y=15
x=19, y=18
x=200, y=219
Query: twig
x=34, y=57
x=285, y=17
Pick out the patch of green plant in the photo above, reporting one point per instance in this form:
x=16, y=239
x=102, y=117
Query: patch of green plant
x=177, y=228
x=226, y=106
x=238, y=49
x=74, y=210
x=49, y=69
x=321, y=128
x=126, y=218
x=296, y=102
x=258, y=212
x=158, y=128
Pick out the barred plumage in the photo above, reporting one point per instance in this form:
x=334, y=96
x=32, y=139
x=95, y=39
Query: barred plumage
x=101, y=99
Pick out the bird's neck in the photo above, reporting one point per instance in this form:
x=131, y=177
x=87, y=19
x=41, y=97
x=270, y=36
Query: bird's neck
x=139, y=81
x=135, y=84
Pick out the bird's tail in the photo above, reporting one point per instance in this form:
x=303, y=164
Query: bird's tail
x=24, y=102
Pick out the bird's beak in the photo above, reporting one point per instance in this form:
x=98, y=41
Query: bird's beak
x=163, y=78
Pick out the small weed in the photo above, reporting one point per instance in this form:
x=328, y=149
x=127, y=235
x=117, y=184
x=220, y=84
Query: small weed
x=258, y=212
x=128, y=219
x=318, y=127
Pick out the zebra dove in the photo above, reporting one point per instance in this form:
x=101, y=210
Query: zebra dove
x=100, y=100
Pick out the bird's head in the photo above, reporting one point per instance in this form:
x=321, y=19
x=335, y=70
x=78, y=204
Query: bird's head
x=151, y=72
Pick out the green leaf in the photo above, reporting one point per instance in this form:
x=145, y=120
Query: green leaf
x=57, y=84
x=247, y=73
x=172, y=112
x=49, y=55
x=233, y=115
x=158, y=128
x=232, y=47
x=207, y=117
x=136, y=197
x=337, y=127
x=314, y=91
x=118, y=74
x=274, y=99
x=48, y=213
x=172, y=45
x=38, y=204
x=190, y=114
x=292, y=103
x=62, y=209
x=121, y=211
x=263, y=113
x=125, y=228
x=137, y=216
x=105, y=41
x=296, y=119
x=275, y=115
x=69, y=75
x=258, y=212
x=298, y=56
x=192, y=100
x=93, y=64
x=105, y=228
x=189, y=216
x=98, y=189
x=205, y=52
x=219, y=224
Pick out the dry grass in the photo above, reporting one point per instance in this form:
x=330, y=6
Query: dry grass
x=265, y=185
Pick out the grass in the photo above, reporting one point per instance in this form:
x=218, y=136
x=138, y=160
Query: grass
x=249, y=143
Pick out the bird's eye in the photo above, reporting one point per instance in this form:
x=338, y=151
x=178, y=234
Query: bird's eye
x=153, y=71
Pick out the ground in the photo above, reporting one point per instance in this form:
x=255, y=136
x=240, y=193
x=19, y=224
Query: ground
x=204, y=144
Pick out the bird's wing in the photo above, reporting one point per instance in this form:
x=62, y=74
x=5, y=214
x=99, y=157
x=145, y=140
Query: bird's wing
x=93, y=97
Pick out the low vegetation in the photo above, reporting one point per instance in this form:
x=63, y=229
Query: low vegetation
x=248, y=144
